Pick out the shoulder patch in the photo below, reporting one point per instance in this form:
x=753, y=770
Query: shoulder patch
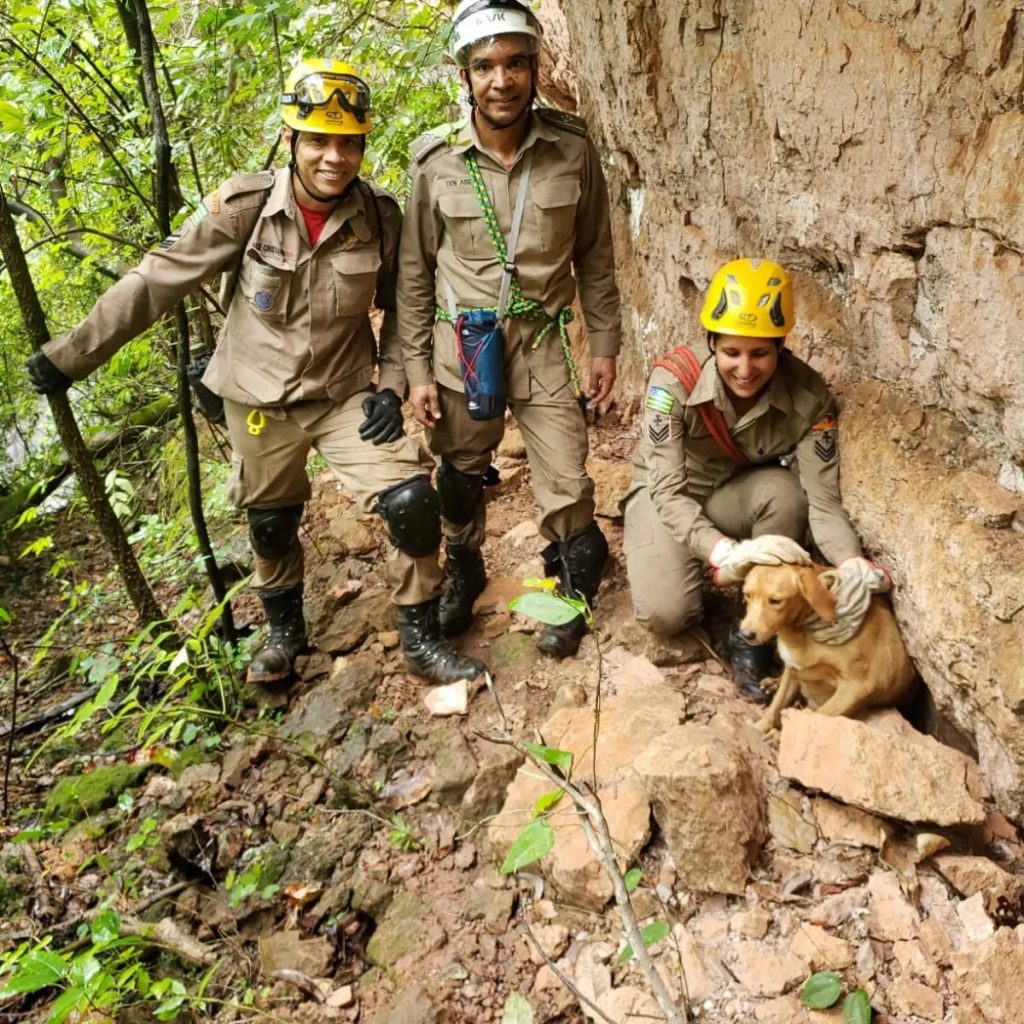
x=660, y=399
x=828, y=423
x=561, y=119
x=426, y=144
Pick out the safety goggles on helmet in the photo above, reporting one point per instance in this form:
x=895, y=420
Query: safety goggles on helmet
x=318, y=89
x=479, y=20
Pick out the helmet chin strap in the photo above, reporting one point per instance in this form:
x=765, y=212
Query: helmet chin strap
x=293, y=166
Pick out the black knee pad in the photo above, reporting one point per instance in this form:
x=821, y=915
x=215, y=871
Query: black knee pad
x=412, y=512
x=460, y=493
x=273, y=531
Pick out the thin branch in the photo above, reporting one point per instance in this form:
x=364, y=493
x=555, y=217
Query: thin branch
x=100, y=138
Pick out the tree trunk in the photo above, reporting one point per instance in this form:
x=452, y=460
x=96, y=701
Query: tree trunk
x=88, y=479
x=164, y=179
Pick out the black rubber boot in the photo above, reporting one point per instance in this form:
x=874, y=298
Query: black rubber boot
x=286, y=639
x=466, y=578
x=427, y=654
x=750, y=663
x=578, y=564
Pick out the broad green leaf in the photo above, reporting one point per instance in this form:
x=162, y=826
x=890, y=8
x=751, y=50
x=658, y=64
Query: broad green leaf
x=547, y=801
x=531, y=844
x=546, y=608
x=38, y=970
x=821, y=990
x=561, y=759
x=632, y=878
x=64, y=1004
x=857, y=1007
x=650, y=933
x=517, y=1010
x=106, y=927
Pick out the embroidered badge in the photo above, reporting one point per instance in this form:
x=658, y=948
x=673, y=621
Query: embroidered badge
x=658, y=428
x=263, y=300
x=660, y=400
x=825, y=446
x=828, y=423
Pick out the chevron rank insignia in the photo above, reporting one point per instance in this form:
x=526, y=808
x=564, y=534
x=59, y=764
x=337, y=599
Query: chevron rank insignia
x=660, y=400
x=658, y=428
x=825, y=446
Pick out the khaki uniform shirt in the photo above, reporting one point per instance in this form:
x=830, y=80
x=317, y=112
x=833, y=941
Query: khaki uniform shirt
x=680, y=464
x=298, y=327
x=566, y=231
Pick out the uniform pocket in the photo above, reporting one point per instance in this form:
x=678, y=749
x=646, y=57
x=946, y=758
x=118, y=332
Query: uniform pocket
x=266, y=290
x=464, y=223
x=355, y=280
x=554, y=211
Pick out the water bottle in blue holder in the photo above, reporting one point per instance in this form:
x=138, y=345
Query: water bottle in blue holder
x=480, y=342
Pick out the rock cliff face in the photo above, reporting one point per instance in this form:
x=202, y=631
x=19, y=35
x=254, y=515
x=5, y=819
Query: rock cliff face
x=874, y=148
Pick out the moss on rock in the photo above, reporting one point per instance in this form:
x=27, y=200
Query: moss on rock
x=79, y=796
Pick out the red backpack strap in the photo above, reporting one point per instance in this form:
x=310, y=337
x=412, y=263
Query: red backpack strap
x=682, y=363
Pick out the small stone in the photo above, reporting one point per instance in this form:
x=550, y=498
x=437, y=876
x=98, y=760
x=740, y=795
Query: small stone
x=822, y=951
x=388, y=639
x=285, y=832
x=753, y=924
x=839, y=823
x=910, y=997
x=287, y=950
x=977, y=924
x=465, y=856
x=765, y=973
x=553, y=940
x=786, y=821
x=970, y=875
x=840, y=908
x=890, y=916
x=340, y=997
x=453, y=699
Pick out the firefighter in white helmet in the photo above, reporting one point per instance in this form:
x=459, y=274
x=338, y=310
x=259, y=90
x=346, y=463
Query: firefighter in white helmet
x=509, y=218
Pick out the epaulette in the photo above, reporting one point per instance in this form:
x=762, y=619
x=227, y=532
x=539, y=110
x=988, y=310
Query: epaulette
x=437, y=137
x=250, y=186
x=560, y=119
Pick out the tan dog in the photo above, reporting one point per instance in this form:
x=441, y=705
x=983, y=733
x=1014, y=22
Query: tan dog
x=869, y=670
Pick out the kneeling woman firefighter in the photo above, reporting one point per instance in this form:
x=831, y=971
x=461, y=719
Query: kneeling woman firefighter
x=307, y=250
x=738, y=457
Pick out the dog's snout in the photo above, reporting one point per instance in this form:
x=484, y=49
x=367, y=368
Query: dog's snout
x=748, y=634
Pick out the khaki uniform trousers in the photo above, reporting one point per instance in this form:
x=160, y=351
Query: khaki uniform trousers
x=269, y=471
x=555, y=436
x=665, y=576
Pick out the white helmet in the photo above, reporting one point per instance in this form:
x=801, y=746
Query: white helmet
x=477, y=20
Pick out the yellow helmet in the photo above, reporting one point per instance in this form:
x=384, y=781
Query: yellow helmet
x=328, y=96
x=749, y=297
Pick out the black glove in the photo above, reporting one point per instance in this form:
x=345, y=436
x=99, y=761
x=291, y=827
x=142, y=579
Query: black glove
x=383, y=423
x=46, y=378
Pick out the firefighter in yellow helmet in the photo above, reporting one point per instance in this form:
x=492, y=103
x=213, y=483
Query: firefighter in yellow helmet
x=306, y=251
x=738, y=457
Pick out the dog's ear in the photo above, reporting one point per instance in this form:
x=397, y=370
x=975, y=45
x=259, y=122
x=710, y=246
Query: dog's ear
x=821, y=600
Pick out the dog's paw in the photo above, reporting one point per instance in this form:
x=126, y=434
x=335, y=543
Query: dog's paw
x=765, y=723
x=770, y=684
